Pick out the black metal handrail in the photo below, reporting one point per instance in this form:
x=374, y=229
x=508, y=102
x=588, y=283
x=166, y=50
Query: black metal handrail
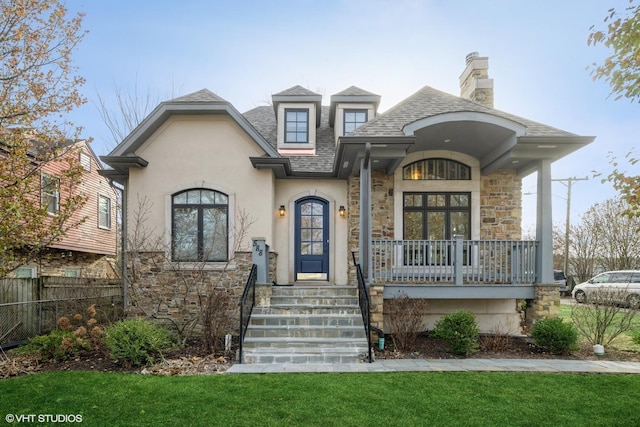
x=363, y=300
x=247, y=302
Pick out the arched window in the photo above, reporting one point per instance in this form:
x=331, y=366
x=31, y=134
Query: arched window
x=437, y=169
x=200, y=225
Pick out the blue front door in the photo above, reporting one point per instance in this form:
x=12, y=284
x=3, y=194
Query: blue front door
x=312, y=239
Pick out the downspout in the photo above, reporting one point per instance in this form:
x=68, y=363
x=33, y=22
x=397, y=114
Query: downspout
x=123, y=240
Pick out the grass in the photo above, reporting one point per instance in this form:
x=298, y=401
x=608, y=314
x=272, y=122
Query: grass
x=421, y=399
x=622, y=342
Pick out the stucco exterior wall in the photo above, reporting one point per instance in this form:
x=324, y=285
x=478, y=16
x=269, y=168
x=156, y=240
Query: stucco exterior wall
x=287, y=192
x=493, y=316
x=187, y=152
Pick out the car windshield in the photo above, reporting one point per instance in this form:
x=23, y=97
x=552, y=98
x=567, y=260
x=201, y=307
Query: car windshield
x=558, y=275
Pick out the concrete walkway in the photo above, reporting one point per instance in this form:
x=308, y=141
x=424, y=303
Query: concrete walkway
x=448, y=365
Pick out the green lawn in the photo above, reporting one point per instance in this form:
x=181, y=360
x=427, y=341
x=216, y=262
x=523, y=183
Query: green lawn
x=385, y=399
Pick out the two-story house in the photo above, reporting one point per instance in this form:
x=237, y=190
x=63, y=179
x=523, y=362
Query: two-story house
x=426, y=195
x=89, y=248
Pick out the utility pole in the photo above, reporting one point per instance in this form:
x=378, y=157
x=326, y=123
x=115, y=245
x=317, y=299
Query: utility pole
x=568, y=183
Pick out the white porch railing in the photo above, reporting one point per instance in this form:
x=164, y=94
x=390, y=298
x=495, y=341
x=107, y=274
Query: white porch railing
x=454, y=261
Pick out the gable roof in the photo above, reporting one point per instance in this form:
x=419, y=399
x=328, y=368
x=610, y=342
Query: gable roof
x=202, y=102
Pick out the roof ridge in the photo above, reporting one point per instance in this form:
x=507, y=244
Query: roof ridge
x=202, y=95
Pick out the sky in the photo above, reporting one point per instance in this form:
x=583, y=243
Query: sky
x=245, y=51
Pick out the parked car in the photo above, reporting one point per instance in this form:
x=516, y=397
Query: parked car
x=624, y=286
x=560, y=279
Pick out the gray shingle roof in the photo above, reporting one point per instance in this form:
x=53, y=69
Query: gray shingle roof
x=354, y=91
x=429, y=102
x=203, y=95
x=297, y=90
x=263, y=119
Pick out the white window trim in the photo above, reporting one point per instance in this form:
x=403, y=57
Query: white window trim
x=468, y=186
x=281, y=126
x=110, y=217
x=85, y=161
x=56, y=193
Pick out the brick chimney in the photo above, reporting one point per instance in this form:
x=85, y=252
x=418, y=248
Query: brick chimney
x=475, y=83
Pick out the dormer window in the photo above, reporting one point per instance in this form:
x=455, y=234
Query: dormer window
x=353, y=119
x=296, y=126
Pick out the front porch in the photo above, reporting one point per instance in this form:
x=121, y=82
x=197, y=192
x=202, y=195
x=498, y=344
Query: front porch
x=455, y=269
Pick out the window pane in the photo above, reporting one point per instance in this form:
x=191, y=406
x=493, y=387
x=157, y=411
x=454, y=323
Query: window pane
x=104, y=212
x=208, y=197
x=413, y=226
x=437, y=169
x=460, y=224
x=436, y=200
x=193, y=197
x=214, y=234
x=222, y=199
x=305, y=248
x=459, y=200
x=180, y=199
x=185, y=234
x=316, y=248
x=413, y=200
x=436, y=226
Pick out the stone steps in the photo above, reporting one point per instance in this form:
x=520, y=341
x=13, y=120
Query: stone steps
x=307, y=324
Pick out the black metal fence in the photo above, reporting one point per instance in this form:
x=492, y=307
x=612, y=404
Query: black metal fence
x=30, y=307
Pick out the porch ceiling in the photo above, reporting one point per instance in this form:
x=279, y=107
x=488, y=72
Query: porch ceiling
x=495, y=144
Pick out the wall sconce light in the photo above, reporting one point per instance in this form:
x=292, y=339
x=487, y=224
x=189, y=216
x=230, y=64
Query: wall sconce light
x=282, y=210
x=342, y=211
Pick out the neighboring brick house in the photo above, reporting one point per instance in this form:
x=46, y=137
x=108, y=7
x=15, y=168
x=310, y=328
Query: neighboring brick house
x=89, y=249
x=322, y=182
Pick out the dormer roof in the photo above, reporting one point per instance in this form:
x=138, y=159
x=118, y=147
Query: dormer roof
x=298, y=94
x=355, y=95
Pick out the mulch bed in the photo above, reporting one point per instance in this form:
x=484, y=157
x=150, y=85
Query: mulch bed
x=191, y=360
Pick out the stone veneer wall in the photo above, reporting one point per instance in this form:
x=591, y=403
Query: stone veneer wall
x=95, y=266
x=170, y=292
x=546, y=304
x=381, y=212
x=501, y=206
x=500, y=218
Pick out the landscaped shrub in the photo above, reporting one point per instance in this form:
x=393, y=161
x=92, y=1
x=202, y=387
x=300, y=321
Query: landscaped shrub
x=555, y=335
x=73, y=336
x=136, y=342
x=406, y=319
x=58, y=345
x=460, y=330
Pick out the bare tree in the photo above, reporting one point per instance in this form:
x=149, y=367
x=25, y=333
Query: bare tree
x=604, y=316
x=127, y=109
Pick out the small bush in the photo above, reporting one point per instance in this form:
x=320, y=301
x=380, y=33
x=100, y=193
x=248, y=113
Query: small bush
x=136, y=342
x=635, y=336
x=555, y=335
x=58, y=345
x=460, y=330
x=72, y=337
x=406, y=318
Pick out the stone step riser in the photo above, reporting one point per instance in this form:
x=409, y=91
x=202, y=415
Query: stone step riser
x=308, y=311
x=314, y=291
x=303, y=359
x=302, y=345
x=315, y=300
x=296, y=332
x=301, y=320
